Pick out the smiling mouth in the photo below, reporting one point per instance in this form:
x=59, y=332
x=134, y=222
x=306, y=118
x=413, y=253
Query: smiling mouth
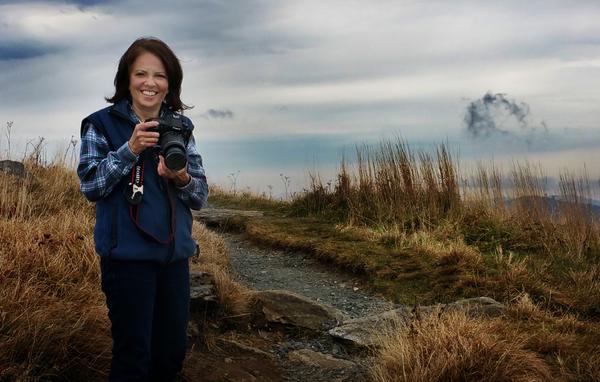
x=149, y=93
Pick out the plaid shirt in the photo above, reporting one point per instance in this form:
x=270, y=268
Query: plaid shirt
x=100, y=169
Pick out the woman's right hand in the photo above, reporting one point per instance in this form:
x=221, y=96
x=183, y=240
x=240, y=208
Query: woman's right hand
x=141, y=139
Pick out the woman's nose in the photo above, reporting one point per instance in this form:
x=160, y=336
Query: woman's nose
x=150, y=81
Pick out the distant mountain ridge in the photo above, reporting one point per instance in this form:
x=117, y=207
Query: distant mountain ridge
x=556, y=203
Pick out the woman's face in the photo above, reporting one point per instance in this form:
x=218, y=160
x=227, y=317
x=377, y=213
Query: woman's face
x=148, y=85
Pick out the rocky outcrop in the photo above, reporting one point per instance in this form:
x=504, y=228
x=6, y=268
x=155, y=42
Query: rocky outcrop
x=477, y=307
x=362, y=332
x=12, y=167
x=283, y=307
x=290, y=309
x=202, y=290
x=298, y=339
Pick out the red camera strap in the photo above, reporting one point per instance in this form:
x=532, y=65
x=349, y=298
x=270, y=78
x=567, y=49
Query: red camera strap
x=135, y=196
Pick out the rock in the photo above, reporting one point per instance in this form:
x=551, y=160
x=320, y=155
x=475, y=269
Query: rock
x=362, y=332
x=279, y=306
x=193, y=331
x=479, y=306
x=202, y=289
x=365, y=332
x=12, y=167
x=238, y=347
x=316, y=359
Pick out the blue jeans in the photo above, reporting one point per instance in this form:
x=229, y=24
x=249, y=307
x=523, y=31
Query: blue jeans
x=148, y=306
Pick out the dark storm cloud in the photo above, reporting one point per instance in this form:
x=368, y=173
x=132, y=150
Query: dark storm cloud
x=205, y=29
x=215, y=29
x=494, y=114
x=23, y=50
x=219, y=114
x=80, y=3
x=88, y=2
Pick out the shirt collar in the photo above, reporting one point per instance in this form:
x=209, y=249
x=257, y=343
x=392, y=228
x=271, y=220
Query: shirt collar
x=135, y=119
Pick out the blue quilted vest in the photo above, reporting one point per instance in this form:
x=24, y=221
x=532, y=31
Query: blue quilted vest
x=160, y=213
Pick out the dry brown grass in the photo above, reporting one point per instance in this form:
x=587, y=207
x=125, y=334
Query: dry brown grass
x=390, y=186
x=454, y=347
x=528, y=241
x=234, y=298
x=571, y=345
x=527, y=343
x=244, y=199
x=421, y=236
x=53, y=319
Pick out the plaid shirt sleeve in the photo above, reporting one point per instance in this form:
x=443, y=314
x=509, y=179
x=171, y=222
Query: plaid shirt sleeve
x=100, y=169
x=195, y=193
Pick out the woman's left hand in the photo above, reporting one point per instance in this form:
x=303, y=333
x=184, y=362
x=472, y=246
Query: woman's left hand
x=181, y=177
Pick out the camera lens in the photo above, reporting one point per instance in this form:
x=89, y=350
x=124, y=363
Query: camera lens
x=173, y=150
x=175, y=159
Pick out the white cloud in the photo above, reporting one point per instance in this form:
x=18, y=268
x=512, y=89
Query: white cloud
x=45, y=21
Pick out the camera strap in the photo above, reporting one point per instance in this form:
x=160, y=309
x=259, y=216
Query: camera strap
x=134, y=193
x=135, y=189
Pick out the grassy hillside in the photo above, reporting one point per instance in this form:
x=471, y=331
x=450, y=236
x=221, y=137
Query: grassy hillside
x=406, y=221
x=420, y=232
x=53, y=318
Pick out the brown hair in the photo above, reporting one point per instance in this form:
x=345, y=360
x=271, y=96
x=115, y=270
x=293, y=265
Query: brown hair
x=170, y=61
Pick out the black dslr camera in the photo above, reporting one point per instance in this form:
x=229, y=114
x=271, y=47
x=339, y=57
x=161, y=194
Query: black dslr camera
x=172, y=140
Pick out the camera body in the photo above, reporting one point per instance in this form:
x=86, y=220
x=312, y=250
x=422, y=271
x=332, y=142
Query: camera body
x=172, y=140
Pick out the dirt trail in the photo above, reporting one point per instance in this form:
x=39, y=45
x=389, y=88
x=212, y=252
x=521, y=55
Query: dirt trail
x=263, y=269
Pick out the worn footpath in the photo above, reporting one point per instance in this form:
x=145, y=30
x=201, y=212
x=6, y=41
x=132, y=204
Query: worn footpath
x=320, y=321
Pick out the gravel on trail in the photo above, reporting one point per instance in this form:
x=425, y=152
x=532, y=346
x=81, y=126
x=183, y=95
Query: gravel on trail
x=263, y=269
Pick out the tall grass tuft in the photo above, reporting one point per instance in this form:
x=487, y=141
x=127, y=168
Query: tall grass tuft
x=453, y=347
x=234, y=298
x=391, y=186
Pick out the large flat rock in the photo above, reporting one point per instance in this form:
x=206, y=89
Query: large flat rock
x=365, y=332
x=284, y=307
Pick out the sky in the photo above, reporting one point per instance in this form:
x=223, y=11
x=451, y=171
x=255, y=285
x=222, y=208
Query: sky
x=280, y=88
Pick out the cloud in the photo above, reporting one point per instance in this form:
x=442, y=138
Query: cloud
x=493, y=115
x=49, y=24
x=88, y=3
x=23, y=50
x=80, y=3
x=339, y=67
x=219, y=114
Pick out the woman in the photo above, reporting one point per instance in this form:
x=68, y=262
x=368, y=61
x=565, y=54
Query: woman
x=143, y=217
